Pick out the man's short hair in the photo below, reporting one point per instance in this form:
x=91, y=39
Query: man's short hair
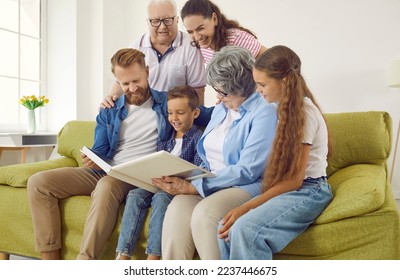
x=185, y=92
x=158, y=2
x=126, y=57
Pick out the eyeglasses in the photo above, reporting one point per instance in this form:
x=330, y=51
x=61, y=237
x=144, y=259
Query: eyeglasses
x=221, y=93
x=157, y=22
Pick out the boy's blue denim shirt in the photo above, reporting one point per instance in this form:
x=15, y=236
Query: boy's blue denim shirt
x=108, y=123
x=246, y=148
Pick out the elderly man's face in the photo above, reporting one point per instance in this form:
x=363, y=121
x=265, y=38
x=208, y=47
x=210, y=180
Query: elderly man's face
x=162, y=34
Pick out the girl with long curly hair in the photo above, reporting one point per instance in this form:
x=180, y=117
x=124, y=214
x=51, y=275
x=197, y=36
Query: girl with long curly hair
x=295, y=189
x=211, y=30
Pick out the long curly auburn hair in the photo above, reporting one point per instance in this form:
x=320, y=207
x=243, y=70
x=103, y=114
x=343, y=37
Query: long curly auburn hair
x=281, y=63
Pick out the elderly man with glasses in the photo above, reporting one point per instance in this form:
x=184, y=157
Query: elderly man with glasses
x=171, y=59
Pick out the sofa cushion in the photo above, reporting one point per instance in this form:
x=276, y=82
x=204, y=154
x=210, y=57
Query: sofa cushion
x=358, y=190
x=359, y=138
x=17, y=175
x=73, y=136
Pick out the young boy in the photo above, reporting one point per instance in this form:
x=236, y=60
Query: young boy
x=183, y=109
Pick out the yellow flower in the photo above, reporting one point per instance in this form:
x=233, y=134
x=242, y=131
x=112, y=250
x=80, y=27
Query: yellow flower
x=32, y=102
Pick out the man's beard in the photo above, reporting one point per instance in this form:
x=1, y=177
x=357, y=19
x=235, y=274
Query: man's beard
x=139, y=97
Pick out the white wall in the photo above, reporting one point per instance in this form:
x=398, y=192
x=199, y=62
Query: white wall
x=61, y=62
x=82, y=36
x=345, y=47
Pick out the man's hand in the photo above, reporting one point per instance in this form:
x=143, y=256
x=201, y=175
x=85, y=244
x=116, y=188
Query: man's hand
x=115, y=92
x=108, y=102
x=89, y=163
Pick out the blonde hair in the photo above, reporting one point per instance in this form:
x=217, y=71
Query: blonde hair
x=126, y=57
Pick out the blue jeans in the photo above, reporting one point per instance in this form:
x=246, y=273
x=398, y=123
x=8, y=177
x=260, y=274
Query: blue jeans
x=137, y=203
x=268, y=228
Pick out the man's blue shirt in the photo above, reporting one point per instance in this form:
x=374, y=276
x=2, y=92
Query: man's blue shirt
x=108, y=123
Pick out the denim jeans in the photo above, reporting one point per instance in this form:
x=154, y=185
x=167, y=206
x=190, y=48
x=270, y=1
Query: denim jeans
x=268, y=228
x=137, y=203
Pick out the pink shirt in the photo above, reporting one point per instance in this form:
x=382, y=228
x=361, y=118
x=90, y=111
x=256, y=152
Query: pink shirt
x=236, y=37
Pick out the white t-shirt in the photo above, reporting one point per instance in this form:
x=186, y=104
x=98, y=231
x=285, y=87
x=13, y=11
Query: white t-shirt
x=138, y=133
x=214, y=141
x=177, y=150
x=182, y=66
x=315, y=134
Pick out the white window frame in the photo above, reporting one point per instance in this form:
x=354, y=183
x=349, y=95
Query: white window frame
x=42, y=125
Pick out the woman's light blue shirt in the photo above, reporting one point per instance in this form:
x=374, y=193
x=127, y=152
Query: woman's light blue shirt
x=246, y=148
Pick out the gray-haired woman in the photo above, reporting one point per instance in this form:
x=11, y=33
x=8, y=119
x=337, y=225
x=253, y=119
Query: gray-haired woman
x=235, y=146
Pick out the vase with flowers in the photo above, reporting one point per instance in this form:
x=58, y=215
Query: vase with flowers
x=31, y=103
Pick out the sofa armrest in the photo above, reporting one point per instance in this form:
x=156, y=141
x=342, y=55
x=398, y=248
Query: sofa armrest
x=359, y=138
x=17, y=175
x=357, y=190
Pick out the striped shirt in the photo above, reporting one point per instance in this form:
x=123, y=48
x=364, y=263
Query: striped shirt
x=181, y=65
x=236, y=37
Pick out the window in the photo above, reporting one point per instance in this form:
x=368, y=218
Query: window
x=21, y=70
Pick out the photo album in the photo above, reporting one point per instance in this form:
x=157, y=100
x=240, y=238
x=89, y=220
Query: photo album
x=140, y=171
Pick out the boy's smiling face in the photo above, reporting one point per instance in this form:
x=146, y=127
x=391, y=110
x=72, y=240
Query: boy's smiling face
x=181, y=116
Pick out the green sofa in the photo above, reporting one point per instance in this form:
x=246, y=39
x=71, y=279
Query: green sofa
x=362, y=221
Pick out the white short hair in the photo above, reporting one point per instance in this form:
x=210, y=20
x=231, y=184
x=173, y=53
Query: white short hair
x=157, y=2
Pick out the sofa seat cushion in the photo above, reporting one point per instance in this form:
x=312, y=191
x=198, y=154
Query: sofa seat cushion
x=361, y=238
x=357, y=190
x=17, y=175
x=370, y=236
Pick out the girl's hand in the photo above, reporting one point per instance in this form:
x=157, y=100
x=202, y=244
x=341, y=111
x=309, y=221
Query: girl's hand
x=229, y=219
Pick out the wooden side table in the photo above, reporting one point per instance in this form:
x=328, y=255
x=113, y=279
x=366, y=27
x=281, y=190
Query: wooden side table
x=24, y=142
